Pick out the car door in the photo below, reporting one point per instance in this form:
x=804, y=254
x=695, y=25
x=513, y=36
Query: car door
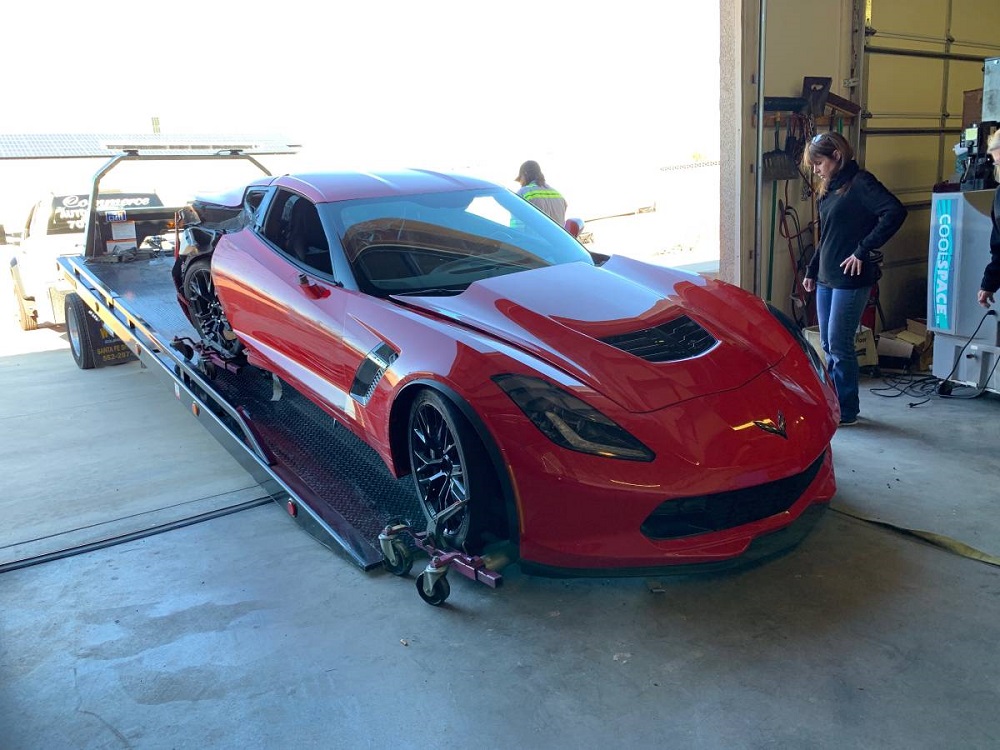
x=280, y=296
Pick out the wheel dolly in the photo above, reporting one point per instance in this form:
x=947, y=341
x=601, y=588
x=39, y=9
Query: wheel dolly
x=208, y=361
x=432, y=583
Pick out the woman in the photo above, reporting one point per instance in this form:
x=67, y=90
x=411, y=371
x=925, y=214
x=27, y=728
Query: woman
x=857, y=215
x=991, y=276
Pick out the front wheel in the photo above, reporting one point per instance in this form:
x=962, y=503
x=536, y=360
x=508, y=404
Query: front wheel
x=451, y=471
x=81, y=344
x=206, y=310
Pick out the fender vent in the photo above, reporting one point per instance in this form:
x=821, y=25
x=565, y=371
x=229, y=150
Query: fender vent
x=371, y=371
x=681, y=338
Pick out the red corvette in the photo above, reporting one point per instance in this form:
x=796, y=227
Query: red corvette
x=602, y=414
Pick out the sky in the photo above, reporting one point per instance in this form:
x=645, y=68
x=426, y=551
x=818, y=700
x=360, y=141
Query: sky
x=602, y=94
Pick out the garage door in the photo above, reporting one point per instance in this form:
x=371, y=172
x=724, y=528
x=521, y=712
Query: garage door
x=914, y=59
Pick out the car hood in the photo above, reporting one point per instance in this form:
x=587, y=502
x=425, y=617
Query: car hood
x=560, y=313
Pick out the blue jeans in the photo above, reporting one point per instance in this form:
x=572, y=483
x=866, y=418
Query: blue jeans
x=839, y=312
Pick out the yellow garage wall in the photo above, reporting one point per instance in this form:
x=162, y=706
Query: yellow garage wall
x=916, y=17
x=906, y=86
x=975, y=21
x=907, y=166
x=806, y=39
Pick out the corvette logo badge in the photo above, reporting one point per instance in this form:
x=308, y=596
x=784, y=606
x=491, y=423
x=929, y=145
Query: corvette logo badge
x=775, y=428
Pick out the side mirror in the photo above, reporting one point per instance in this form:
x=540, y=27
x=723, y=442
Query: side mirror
x=574, y=227
x=313, y=290
x=3, y=235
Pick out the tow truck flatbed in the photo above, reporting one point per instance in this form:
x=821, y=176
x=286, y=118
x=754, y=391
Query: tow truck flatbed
x=330, y=482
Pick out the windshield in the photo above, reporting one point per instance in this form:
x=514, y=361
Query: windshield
x=440, y=243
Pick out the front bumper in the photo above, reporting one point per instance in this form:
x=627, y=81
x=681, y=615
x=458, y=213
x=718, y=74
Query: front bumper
x=733, y=482
x=761, y=549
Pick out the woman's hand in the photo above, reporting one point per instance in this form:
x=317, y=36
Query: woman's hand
x=809, y=284
x=852, y=265
x=985, y=298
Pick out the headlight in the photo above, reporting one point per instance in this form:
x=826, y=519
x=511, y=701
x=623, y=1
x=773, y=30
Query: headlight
x=790, y=325
x=568, y=421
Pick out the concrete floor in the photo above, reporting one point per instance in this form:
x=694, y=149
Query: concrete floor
x=245, y=632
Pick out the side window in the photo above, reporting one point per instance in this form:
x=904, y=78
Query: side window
x=253, y=199
x=252, y=206
x=276, y=228
x=293, y=224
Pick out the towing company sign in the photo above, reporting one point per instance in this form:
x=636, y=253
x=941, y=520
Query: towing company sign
x=69, y=212
x=943, y=243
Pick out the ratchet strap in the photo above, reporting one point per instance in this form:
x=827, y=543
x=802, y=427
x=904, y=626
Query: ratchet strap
x=938, y=540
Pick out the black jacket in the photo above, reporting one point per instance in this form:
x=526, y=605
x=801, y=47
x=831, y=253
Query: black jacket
x=991, y=276
x=857, y=215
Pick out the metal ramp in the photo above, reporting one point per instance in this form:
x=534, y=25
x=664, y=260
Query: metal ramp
x=332, y=483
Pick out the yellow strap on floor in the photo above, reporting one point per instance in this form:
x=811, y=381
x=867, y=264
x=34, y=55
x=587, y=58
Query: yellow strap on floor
x=938, y=540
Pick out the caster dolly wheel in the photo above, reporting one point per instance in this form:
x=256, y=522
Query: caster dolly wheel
x=400, y=560
x=440, y=592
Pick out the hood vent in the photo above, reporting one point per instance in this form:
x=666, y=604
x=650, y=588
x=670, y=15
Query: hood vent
x=681, y=338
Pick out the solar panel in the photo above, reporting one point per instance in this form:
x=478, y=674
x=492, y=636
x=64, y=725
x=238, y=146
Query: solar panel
x=91, y=145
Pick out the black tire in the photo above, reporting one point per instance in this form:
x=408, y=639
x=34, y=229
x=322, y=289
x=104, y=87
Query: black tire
x=451, y=472
x=81, y=344
x=206, y=310
x=442, y=590
x=25, y=319
x=404, y=557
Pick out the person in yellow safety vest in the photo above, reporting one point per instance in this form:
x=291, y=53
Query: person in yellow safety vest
x=538, y=193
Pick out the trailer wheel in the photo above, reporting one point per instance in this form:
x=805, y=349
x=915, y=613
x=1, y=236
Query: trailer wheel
x=25, y=319
x=452, y=473
x=81, y=345
x=206, y=310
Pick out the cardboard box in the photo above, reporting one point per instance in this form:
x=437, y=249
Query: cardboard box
x=917, y=334
x=894, y=353
x=910, y=348
x=812, y=336
x=909, y=337
x=917, y=326
x=972, y=107
x=864, y=345
x=891, y=345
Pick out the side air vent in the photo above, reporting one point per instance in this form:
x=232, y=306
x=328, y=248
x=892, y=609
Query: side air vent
x=371, y=371
x=681, y=338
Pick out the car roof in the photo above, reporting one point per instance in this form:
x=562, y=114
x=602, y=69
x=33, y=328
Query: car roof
x=327, y=187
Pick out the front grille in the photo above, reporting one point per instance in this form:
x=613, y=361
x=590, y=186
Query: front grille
x=681, y=338
x=688, y=516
